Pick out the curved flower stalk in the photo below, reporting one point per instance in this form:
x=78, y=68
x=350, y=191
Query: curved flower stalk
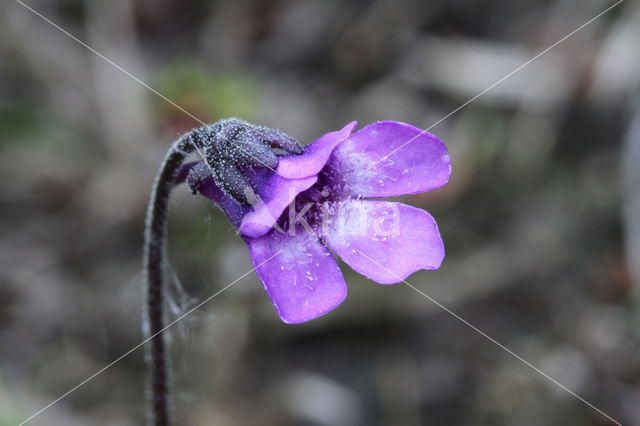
x=294, y=206
x=228, y=146
x=328, y=189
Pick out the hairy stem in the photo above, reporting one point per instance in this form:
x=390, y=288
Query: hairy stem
x=159, y=413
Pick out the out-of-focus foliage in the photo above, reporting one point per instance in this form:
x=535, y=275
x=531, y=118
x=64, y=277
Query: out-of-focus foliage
x=204, y=94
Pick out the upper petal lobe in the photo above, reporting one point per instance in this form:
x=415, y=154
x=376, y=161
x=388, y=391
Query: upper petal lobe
x=383, y=240
x=389, y=158
x=315, y=155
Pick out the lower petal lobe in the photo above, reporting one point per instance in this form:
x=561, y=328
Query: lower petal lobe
x=383, y=240
x=302, y=279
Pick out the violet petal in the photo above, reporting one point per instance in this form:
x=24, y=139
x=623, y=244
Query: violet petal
x=315, y=155
x=383, y=240
x=389, y=158
x=276, y=193
x=300, y=275
x=234, y=210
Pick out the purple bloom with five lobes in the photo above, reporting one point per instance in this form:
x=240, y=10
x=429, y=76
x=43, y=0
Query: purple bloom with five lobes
x=324, y=188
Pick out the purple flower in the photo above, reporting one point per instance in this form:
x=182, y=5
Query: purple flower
x=324, y=189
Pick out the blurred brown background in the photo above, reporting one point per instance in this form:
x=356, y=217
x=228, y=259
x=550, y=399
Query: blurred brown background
x=541, y=219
